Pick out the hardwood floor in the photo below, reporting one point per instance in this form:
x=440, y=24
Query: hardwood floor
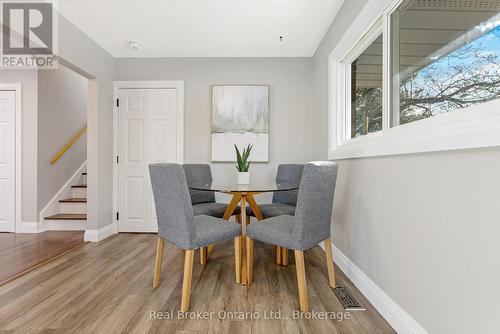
x=21, y=252
x=107, y=288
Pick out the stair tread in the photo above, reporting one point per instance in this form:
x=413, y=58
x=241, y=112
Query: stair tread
x=67, y=216
x=79, y=186
x=73, y=200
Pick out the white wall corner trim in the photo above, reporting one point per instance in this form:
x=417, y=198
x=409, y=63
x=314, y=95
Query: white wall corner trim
x=101, y=234
x=400, y=321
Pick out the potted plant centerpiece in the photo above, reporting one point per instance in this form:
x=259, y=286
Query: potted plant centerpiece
x=243, y=164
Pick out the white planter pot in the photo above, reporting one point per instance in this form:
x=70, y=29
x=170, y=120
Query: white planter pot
x=243, y=178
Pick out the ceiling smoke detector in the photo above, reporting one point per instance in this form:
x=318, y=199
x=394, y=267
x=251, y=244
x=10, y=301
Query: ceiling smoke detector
x=134, y=45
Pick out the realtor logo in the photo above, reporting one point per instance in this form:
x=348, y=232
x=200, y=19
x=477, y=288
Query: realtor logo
x=28, y=37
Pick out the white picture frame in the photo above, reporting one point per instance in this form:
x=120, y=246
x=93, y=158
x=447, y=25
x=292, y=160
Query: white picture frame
x=240, y=116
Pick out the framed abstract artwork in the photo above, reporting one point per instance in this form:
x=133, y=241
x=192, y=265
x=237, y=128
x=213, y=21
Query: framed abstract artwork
x=240, y=116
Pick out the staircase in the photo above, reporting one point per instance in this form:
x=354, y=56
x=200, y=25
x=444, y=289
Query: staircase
x=72, y=209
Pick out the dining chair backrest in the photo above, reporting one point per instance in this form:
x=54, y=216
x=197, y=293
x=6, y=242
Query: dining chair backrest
x=173, y=205
x=199, y=174
x=288, y=174
x=314, y=204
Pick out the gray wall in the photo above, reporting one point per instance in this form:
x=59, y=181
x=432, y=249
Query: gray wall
x=342, y=21
x=290, y=103
x=62, y=112
x=423, y=227
x=83, y=55
x=29, y=82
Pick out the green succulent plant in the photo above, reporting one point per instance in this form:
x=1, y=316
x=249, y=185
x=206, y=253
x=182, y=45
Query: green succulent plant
x=242, y=162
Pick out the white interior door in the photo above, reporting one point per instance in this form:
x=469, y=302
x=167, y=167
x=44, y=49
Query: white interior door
x=7, y=160
x=147, y=133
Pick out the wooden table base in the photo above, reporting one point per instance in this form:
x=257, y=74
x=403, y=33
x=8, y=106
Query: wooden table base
x=243, y=198
x=243, y=239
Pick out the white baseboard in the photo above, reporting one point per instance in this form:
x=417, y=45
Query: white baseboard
x=28, y=227
x=102, y=233
x=401, y=321
x=153, y=228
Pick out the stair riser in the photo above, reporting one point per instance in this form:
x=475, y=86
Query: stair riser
x=73, y=207
x=79, y=192
x=66, y=225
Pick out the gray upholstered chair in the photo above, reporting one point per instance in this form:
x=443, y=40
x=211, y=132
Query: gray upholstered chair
x=284, y=202
x=309, y=226
x=203, y=201
x=178, y=225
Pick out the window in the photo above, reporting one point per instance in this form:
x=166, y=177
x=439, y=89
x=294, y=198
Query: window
x=402, y=62
x=366, y=90
x=445, y=57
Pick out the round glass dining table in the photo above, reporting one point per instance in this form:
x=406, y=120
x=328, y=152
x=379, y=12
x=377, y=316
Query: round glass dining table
x=243, y=194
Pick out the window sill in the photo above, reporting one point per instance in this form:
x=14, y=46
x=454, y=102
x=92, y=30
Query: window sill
x=476, y=127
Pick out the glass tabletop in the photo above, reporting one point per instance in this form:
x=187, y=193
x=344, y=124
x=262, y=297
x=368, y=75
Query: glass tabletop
x=252, y=187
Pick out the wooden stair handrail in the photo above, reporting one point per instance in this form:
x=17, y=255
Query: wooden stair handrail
x=68, y=145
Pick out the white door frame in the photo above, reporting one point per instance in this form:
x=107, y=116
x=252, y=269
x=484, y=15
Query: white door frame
x=117, y=85
x=17, y=87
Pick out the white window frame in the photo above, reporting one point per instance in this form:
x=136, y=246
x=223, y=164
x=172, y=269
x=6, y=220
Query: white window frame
x=345, y=71
x=473, y=127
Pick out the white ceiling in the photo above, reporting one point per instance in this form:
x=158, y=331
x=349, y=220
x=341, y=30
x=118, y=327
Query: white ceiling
x=204, y=28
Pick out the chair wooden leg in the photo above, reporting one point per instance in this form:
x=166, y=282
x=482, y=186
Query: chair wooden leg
x=203, y=255
x=237, y=258
x=301, y=280
x=249, y=260
x=186, y=281
x=210, y=249
x=160, y=245
x=278, y=254
x=238, y=219
x=284, y=256
x=329, y=263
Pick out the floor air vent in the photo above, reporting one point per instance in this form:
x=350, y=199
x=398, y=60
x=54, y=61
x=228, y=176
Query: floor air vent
x=346, y=299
